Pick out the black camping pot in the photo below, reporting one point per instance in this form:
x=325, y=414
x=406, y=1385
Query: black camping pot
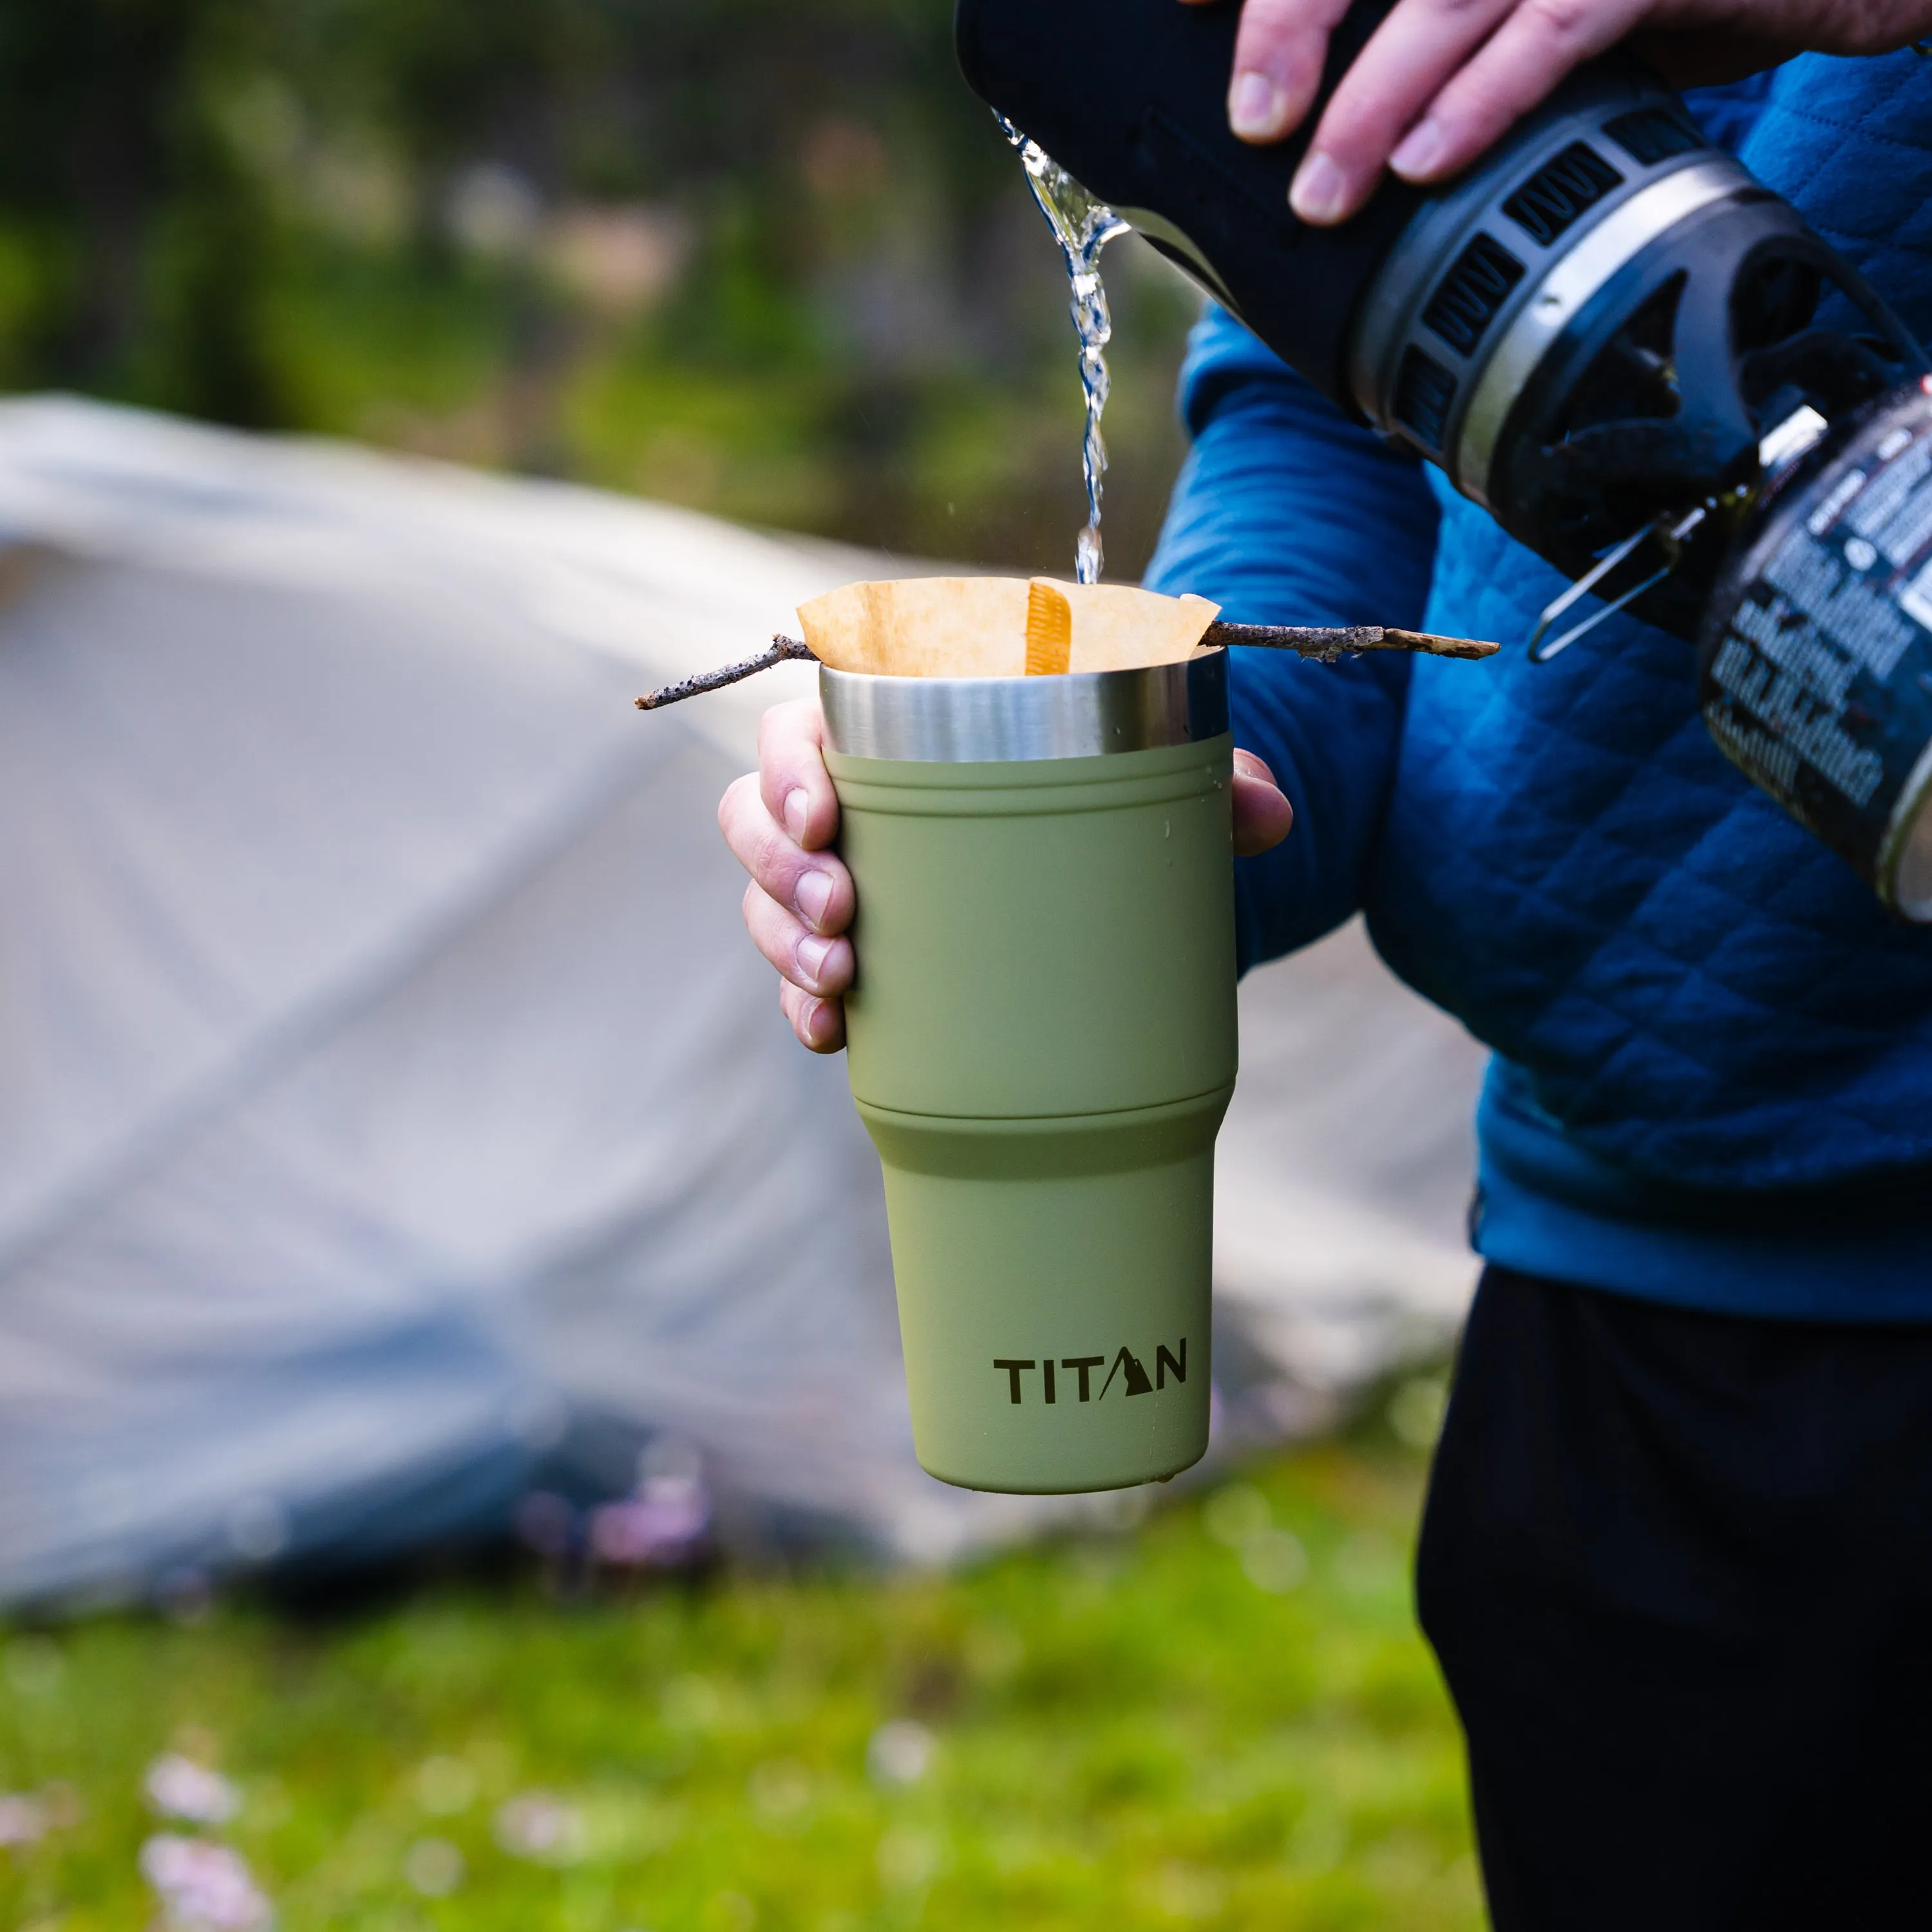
x=1815, y=665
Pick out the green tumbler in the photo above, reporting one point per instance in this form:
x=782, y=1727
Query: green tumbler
x=1042, y=1046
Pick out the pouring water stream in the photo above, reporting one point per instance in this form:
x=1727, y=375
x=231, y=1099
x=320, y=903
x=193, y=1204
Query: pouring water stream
x=1082, y=227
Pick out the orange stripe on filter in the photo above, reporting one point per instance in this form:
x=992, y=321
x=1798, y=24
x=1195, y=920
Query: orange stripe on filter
x=1049, y=630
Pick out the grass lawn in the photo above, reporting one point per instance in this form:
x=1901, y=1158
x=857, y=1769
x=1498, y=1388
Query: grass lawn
x=1222, y=1717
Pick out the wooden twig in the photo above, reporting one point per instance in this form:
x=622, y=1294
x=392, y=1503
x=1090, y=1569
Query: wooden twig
x=780, y=649
x=1308, y=641
x=1313, y=641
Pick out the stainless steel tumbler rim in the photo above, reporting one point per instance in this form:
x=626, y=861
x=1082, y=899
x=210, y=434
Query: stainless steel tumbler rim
x=983, y=720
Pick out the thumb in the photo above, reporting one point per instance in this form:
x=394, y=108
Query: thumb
x=1262, y=813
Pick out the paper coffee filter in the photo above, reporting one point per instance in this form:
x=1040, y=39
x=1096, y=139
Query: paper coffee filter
x=976, y=626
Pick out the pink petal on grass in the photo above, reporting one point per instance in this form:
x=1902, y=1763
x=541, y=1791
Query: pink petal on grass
x=177, y=1787
x=203, y=1887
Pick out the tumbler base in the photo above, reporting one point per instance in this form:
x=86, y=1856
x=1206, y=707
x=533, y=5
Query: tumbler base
x=1053, y=1279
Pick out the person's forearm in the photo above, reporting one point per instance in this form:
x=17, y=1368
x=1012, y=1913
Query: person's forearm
x=1287, y=512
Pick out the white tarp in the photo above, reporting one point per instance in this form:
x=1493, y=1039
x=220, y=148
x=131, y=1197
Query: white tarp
x=389, y=1101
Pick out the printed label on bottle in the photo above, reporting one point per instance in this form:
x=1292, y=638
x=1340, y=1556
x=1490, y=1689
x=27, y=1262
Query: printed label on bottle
x=1820, y=687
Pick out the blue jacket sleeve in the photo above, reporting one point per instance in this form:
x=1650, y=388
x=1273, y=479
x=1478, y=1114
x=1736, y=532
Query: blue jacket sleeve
x=1286, y=512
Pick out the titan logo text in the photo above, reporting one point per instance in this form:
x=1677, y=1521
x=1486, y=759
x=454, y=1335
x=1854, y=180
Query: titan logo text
x=1128, y=1368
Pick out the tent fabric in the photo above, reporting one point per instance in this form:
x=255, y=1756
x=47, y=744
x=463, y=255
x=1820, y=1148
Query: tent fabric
x=392, y=1114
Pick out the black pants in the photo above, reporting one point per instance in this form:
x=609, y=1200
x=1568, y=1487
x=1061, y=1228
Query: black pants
x=1678, y=1570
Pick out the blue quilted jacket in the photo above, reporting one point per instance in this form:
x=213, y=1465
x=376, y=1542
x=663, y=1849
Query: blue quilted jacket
x=1712, y=1083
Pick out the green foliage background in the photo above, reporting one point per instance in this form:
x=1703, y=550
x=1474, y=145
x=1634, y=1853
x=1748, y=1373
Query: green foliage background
x=771, y=260
x=1162, y=1728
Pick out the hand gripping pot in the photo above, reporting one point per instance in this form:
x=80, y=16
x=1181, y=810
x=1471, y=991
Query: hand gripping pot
x=1041, y=1044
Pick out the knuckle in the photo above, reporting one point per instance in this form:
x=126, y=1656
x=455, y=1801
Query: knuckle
x=1565, y=23
x=1271, y=30
x=776, y=717
x=1482, y=104
x=757, y=844
x=791, y=727
x=773, y=860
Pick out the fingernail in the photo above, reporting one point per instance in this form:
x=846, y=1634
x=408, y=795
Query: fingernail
x=1318, y=188
x=810, y=956
x=813, y=895
x=1257, y=107
x=797, y=812
x=1419, y=150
